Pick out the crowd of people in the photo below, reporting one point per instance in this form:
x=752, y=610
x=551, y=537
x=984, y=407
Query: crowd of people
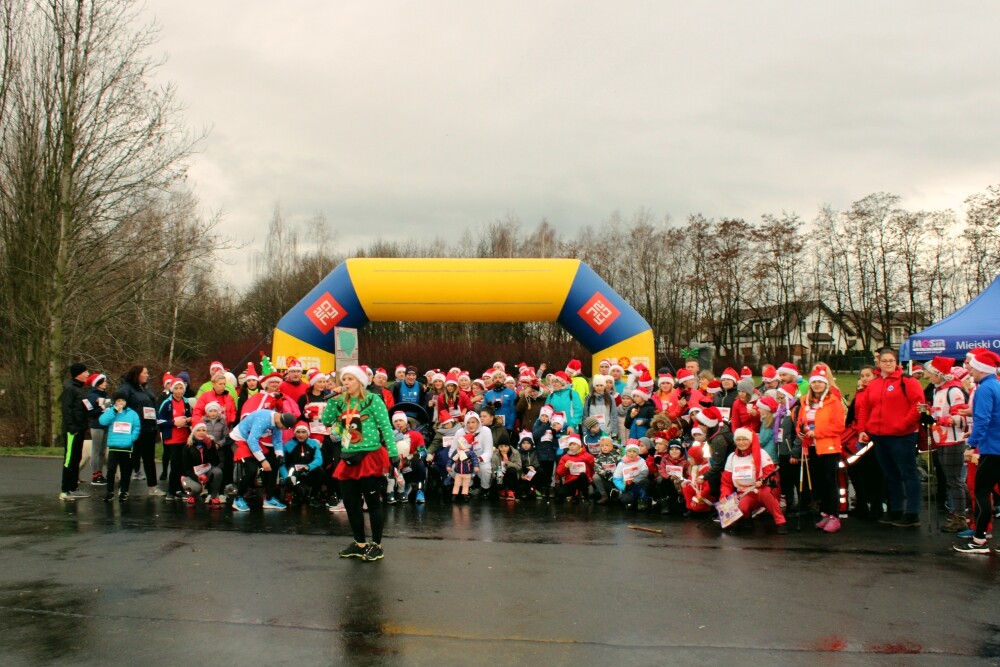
x=686, y=445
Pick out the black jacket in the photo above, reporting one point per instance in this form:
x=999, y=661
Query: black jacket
x=74, y=410
x=138, y=398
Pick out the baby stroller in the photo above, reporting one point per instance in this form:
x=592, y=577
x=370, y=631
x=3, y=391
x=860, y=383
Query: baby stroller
x=407, y=482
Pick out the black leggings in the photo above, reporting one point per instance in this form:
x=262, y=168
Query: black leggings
x=144, y=450
x=987, y=476
x=368, y=490
x=580, y=484
x=72, y=454
x=120, y=461
x=825, y=483
x=268, y=478
x=175, y=455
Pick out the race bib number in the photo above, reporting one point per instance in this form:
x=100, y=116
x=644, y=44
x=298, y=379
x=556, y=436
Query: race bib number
x=609, y=466
x=148, y=413
x=202, y=469
x=317, y=428
x=87, y=404
x=600, y=420
x=743, y=474
x=577, y=467
x=811, y=415
x=448, y=441
x=454, y=412
x=725, y=413
x=124, y=428
x=674, y=471
x=631, y=471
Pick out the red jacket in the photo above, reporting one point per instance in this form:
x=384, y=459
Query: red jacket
x=225, y=400
x=888, y=405
x=585, y=457
x=740, y=417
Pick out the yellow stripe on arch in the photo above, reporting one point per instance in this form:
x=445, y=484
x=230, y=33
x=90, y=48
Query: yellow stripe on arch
x=639, y=348
x=462, y=290
x=285, y=345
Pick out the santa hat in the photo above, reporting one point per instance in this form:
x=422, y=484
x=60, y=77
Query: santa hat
x=685, y=375
x=454, y=369
x=819, y=374
x=640, y=392
x=499, y=366
x=558, y=418
x=471, y=414
x=730, y=374
x=606, y=362
x=769, y=373
x=213, y=405
x=480, y=382
x=356, y=372
x=571, y=439
x=638, y=369
x=562, y=377
x=314, y=375
x=574, y=366
x=985, y=361
x=381, y=371
x=646, y=380
x=488, y=376
x=959, y=372
x=742, y=434
x=632, y=445
x=445, y=416
x=368, y=371
x=451, y=378
x=971, y=353
x=509, y=380
x=618, y=366
x=695, y=452
x=917, y=371
x=789, y=390
x=251, y=373
x=745, y=372
x=400, y=367
x=754, y=447
x=709, y=416
x=525, y=435
x=438, y=376
x=399, y=414
x=665, y=378
x=271, y=376
x=697, y=430
x=96, y=379
x=173, y=382
x=214, y=367
x=767, y=403
x=789, y=367
x=714, y=387
x=942, y=366
x=547, y=410
x=464, y=374
x=294, y=364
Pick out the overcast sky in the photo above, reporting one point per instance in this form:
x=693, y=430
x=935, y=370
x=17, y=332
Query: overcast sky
x=423, y=119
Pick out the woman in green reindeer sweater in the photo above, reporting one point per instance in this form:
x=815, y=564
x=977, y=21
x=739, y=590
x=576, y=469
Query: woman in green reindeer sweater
x=367, y=443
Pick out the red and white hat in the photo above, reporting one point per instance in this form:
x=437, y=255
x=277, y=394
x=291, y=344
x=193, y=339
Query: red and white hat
x=559, y=417
x=664, y=378
x=714, y=387
x=499, y=366
x=574, y=366
x=646, y=380
x=571, y=440
x=959, y=372
x=213, y=405
x=789, y=367
x=356, y=372
x=251, y=373
x=769, y=373
x=745, y=372
x=709, y=416
x=684, y=375
x=480, y=382
x=96, y=379
x=730, y=374
x=439, y=376
x=173, y=382
x=562, y=377
x=819, y=374
x=399, y=415
x=767, y=403
x=942, y=366
x=400, y=367
x=614, y=366
x=606, y=362
x=381, y=371
x=640, y=392
x=547, y=410
x=985, y=361
x=216, y=367
x=293, y=364
x=464, y=374
x=917, y=371
x=788, y=390
x=451, y=378
x=445, y=416
x=315, y=375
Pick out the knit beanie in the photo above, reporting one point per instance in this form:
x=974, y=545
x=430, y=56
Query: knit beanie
x=746, y=385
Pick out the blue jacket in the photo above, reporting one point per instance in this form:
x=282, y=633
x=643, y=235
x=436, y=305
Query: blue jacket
x=307, y=453
x=165, y=416
x=121, y=442
x=256, y=425
x=986, y=417
x=95, y=398
x=568, y=402
x=508, y=401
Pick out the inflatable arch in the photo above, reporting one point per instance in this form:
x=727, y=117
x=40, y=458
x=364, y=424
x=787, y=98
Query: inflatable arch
x=359, y=291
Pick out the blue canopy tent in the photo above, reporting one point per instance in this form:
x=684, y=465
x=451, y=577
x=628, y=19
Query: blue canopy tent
x=976, y=324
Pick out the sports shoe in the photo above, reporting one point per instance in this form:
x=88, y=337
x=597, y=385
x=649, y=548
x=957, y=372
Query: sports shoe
x=642, y=506
x=138, y=475
x=891, y=517
x=954, y=524
x=821, y=524
x=274, y=504
x=420, y=497
x=155, y=491
x=108, y=497
x=65, y=495
x=79, y=494
x=782, y=529
x=354, y=550
x=100, y=480
x=123, y=496
x=391, y=499
x=215, y=503
x=969, y=533
x=240, y=505
x=832, y=525
x=339, y=507
x=973, y=547
x=373, y=552
x=190, y=500
x=907, y=521
x=170, y=497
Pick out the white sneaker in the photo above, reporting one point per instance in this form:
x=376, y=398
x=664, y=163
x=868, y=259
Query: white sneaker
x=65, y=495
x=339, y=507
x=155, y=491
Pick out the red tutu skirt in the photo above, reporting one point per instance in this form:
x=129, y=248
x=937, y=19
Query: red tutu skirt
x=374, y=464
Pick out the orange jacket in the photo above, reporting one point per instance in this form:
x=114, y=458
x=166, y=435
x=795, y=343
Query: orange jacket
x=829, y=423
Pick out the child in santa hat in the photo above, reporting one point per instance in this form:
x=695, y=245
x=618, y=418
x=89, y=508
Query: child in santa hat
x=672, y=470
x=530, y=466
x=638, y=418
x=747, y=471
x=575, y=471
x=631, y=477
x=698, y=497
x=820, y=425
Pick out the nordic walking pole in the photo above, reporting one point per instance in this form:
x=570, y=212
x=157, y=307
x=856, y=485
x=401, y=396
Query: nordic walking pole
x=798, y=528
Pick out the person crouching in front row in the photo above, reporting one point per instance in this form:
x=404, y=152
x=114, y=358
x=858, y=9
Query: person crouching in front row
x=748, y=470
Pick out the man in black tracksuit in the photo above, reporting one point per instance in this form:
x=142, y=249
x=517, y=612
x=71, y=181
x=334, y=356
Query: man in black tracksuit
x=74, y=427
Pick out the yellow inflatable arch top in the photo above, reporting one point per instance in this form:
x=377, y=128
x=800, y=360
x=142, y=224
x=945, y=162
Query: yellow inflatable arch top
x=567, y=291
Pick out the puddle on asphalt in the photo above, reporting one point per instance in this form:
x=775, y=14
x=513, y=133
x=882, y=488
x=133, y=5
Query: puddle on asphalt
x=44, y=621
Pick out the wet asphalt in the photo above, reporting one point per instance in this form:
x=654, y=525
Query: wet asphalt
x=154, y=583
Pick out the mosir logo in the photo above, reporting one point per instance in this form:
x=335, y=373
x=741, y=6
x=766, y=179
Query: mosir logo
x=326, y=313
x=599, y=313
x=929, y=346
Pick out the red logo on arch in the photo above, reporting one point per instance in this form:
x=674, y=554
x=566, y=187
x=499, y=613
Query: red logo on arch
x=326, y=313
x=599, y=313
